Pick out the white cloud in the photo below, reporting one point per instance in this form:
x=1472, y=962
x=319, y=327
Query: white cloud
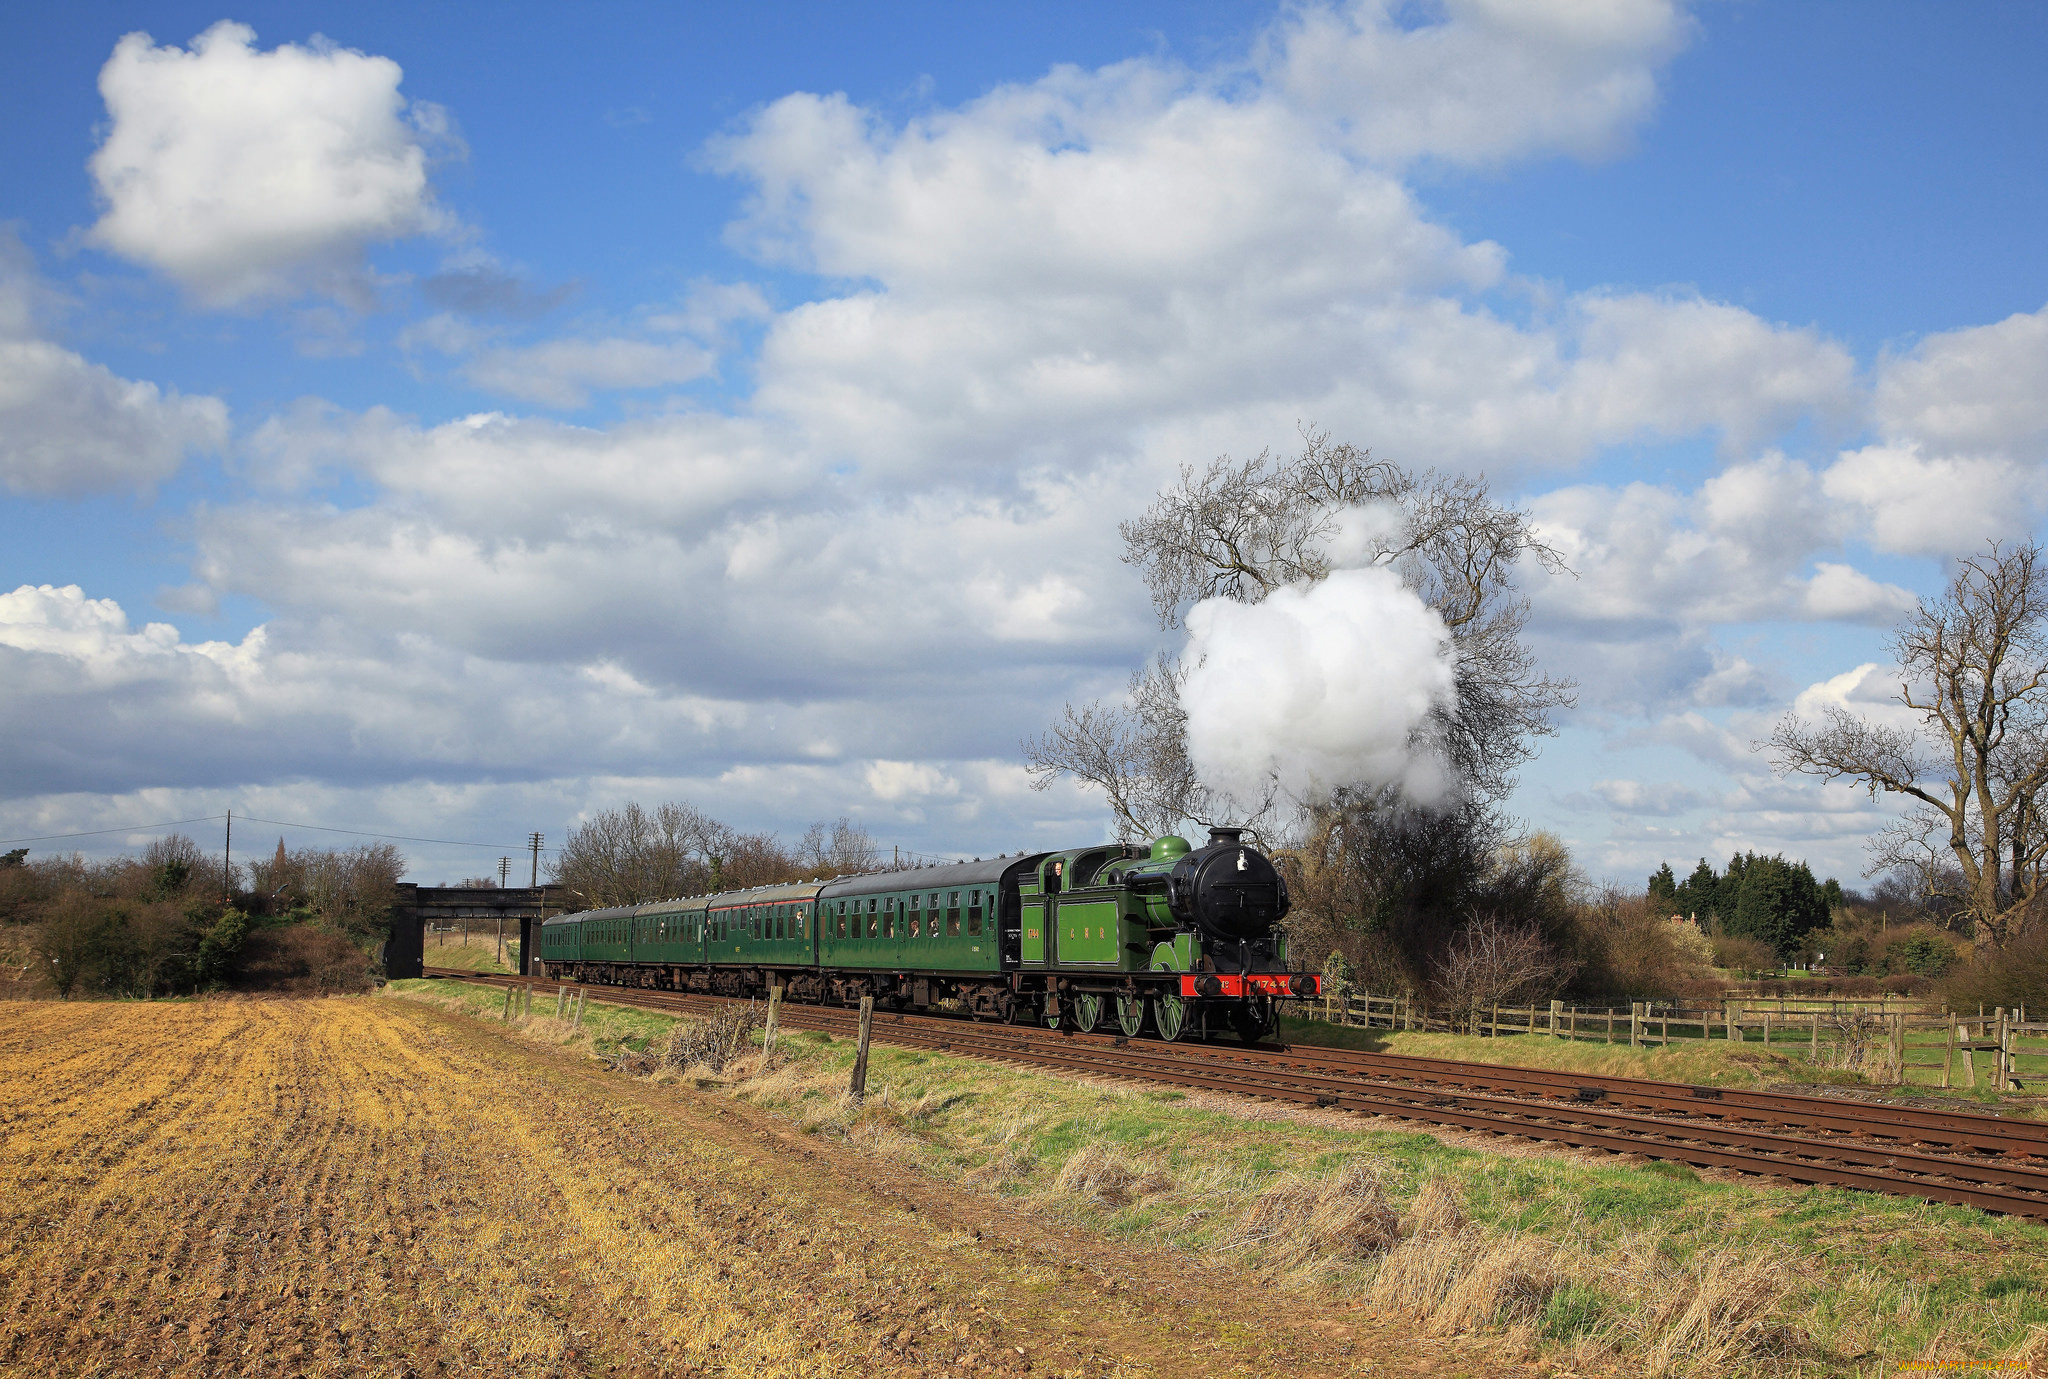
x=1933, y=505
x=1655, y=798
x=247, y=175
x=1845, y=594
x=1964, y=424
x=1049, y=265
x=69, y=426
x=562, y=373
x=1484, y=80
x=898, y=555
x=1982, y=390
x=1733, y=551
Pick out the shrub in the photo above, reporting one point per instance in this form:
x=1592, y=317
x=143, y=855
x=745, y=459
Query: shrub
x=300, y=959
x=2013, y=975
x=1743, y=953
x=1628, y=943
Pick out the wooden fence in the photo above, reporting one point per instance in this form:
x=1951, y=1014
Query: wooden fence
x=1882, y=1039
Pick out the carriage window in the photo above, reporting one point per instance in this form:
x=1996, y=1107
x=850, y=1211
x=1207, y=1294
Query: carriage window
x=952, y=914
x=974, y=912
x=889, y=917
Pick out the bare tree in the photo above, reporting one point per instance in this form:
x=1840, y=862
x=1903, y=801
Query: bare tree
x=1135, y=753
x=1241, y=529
x=1974, y=670
x=1493, y=961
x=842, y=850
x=352, y=890
x=629, y=855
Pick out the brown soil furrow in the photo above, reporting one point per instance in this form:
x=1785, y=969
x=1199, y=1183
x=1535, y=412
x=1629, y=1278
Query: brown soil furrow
x=362, y=1187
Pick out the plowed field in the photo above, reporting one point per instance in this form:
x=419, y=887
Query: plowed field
x=372, y=1187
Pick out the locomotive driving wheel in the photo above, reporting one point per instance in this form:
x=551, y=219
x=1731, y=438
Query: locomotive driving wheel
x=1169, y=1015
x=1087, y=1012
x=1130, y=1014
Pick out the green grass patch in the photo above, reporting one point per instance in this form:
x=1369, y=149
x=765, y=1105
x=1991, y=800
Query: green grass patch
x=472, y=957
x=1717, y=1062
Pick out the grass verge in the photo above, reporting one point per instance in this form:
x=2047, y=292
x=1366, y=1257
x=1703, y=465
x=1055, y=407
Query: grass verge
x=1712, y=1063
x=1592, y=1262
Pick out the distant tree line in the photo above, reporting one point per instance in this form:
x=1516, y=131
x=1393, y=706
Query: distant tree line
x=176, y=922
x=632, y=854
x=1768, y=899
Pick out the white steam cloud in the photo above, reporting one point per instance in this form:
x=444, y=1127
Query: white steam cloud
x=1318, y=687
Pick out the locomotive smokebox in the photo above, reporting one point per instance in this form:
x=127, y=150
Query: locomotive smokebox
x=1229, y=889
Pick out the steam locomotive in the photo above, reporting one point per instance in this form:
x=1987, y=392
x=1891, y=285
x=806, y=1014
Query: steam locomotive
x=1180, y=941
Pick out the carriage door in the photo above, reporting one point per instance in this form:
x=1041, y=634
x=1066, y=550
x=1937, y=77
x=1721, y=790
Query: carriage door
x=1049, y=917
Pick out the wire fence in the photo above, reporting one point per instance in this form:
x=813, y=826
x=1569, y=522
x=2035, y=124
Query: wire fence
x=1887, y=1040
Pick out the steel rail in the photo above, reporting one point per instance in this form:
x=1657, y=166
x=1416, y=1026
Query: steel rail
x=1981, y=1131
x=1988, y=1183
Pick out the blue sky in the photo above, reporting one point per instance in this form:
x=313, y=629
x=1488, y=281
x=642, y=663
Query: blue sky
x=737, y=403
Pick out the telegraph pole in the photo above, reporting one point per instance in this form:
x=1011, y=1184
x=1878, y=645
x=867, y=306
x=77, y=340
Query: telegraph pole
x=504, y=870
x=227, y=863
x=534, y=840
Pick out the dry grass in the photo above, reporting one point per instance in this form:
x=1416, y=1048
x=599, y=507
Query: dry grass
x=1595, y=1263
x=1300, y=1219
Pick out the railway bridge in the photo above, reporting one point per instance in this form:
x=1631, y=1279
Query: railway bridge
x=419, y=908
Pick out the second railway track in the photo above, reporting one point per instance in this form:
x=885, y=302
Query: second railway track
x=1989, y=1162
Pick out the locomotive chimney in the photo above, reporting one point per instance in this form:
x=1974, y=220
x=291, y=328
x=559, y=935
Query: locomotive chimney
x=1228, y=837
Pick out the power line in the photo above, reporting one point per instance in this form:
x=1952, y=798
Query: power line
x=391, y=837
x=280, y=823
x=100, y=832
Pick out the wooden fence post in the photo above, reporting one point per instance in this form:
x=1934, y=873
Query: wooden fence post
x=1556, y=1010
x=1948, y=1057
x=859, y=1086
x=506, y=1014
x=2003, y=1072
x=774, y=1017
x=561, y=995
x=1635, y=1024
x=1898, y=1042
x=1813, y=1055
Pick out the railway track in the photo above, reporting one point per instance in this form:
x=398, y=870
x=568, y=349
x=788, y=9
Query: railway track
x=1988, y=1162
